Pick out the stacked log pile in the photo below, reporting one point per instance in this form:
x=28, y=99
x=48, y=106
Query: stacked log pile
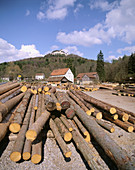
x=71, y=116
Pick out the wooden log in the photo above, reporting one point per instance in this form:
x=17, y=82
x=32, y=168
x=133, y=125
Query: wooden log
x=66, y=123
x=131, y=119
x=70, y=113
x=82, y=129
x=8, y=105
x=98, y=103
x=67, y=136
x=61, y=96
x=118, y=155
x=123, y=125
x=25, y=88
x=4, y=126
x=37, y=145
x=37, y=126
x=84, y=148
x=36, y=103
x=20, y=113
x=19, y=143
x=9, y=87
x=97, y=115
x=80, y=103
x=12, y=137
x=9, y=92
x=52, y=90
x=58, y=106
x=88, y=105
x=66, y=151
x=105, y=125
x=28, y=144
x=49, y=102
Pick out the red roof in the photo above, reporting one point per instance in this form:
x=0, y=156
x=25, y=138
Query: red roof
x=61, y=71
x=91, y=75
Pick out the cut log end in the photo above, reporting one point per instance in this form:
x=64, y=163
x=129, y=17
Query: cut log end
x=112, y=110
x=130, y=129
x=70, y=129
x=26, y=156
x=31, y=135
x=112, y=130
x=115, y=117
x=57, y=104
x=125, y=117
x=65, y=105
x=36, y=158
x=67, y=136
x=14, y=127
x=34, y=91
x=92, y=110
x=35, y=108
x=58, y=108
x=47, y=93
x=46, y=89
x=88, y=112
x=87, y=138
x=68, y=154
x=99, y=115
x=15, y=156
x=23, y=89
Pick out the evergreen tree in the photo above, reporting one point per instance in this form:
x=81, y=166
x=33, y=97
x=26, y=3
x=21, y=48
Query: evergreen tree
x=131, y=64
x=100, y=66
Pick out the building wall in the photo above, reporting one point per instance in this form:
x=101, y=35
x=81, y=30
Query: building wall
x=40, y=77
x=69, y=75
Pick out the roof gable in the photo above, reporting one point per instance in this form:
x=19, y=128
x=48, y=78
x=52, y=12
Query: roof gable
x=90, y=75
x=59, y=72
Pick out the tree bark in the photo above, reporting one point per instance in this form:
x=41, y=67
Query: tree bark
x=9, y=87
x=66, y=123
x=66, y=151
x=9, y=92
x=37, y=145
x=67, y=136
x=118, y=155
x=79, y=102
x=49, y=102
x=61, y=96
x=19, y=143
x=84, y=148
x=8, y=105
x=20, y=113
x=28, y=144
x=4, y=126
x=58, y=106
x=82, y=129
x=37, y=126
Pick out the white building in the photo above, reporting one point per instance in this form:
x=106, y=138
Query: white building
x=64, y=72
x=40, y=76
x=61, y=52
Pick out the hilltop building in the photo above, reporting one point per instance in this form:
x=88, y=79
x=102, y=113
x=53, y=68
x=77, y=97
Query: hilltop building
x=87, y=78
x=61, y=52
x=63, y=75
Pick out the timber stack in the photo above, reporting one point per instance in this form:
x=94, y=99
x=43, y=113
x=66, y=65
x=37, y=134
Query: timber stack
x=73, y=115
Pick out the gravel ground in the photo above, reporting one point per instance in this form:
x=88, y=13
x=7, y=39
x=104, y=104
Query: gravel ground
x=52, y=155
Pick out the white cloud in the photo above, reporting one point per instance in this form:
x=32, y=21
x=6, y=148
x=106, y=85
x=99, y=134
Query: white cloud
x=127, y=49
x=103, y=4
x=72, y=50
x=40, y=15
x=58, y=9
x=56, y=14
x=54, y=47
x=95, y=35
x=119, y=23
x=8, y=52
x=112, y=57
x=27, y=13
x=79, y=6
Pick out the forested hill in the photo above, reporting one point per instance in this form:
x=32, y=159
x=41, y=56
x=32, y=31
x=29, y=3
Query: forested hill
x=29, y=67
x=117, y=71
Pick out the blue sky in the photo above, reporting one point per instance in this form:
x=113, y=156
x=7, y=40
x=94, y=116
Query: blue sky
x=31, y=28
